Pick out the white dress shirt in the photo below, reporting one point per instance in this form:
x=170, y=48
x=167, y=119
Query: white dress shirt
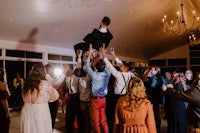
x=121, y=78
x=74, y=84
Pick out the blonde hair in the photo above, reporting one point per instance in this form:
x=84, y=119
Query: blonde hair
x=136, y=92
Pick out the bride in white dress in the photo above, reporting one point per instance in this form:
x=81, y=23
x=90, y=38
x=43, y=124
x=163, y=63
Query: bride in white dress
x=35, y=115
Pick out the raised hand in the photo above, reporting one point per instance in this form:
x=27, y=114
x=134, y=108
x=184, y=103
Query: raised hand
x=170, y=86
x=164, y=87
x=112, y=51
x=91, y=50
x=103, y=51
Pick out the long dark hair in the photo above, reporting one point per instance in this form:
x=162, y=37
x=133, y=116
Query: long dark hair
x=37, y=74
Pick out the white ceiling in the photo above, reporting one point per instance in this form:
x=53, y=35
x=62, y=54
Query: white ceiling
x=135, y=24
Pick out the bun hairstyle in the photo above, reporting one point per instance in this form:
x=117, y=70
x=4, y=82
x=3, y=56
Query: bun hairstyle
x=136, y=92
x=37, y=74
x=38, y=70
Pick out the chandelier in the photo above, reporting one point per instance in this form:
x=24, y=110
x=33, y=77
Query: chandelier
x=181, y=26
x=193, y=40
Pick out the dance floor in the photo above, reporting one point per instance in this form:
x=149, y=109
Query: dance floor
x=60, y=123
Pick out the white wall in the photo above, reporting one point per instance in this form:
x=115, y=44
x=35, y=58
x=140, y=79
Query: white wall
x=180, y=52
x=35, y=48
x=49, y=49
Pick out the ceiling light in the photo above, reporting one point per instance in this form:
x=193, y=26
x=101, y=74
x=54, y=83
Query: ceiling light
x=180, y=25
x=11, y=20
x=194, y=41
x=56, y=30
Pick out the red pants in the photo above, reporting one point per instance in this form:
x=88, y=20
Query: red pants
x=98, y=115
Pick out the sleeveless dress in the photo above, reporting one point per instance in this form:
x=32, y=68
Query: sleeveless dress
x=35, y=118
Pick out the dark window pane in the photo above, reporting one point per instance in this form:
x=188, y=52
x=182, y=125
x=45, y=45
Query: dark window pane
x=15, y=53
x=60, y=57
x=172, y=69
x=177, y=62
x=53, y=57
x=195, y=69
x=0, y=52
x=194, y=61
x=66, y=58
x=157, y=62
x=29, y=67
x=1, y=64
x=33, y=55
x=194, y=53
x=195, y=47
x=12, y=68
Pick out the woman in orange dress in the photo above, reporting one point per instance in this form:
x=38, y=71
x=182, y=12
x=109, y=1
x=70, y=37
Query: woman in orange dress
x=133, y=112
x=4, y=107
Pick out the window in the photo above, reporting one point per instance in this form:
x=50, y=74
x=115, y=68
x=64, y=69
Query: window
x=157, y=62
x=33, y=55
x=53, y=57
x=15, y=53
x=12, y=68
x=59, y=57
x=66, y=58
x=194, y=53
x=1, y=63
x=177, y=62
x=194, y=61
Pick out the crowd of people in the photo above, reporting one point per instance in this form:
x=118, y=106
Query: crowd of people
x=103, y=97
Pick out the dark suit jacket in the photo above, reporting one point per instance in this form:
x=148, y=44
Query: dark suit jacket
x=96, y=38
x=192, y=96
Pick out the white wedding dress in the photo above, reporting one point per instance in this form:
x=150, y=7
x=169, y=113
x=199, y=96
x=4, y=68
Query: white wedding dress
x=35, y=116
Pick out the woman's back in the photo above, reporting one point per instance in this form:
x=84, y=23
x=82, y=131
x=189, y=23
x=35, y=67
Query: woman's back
x=35, y=115
x=138, y=120
x=46, y=94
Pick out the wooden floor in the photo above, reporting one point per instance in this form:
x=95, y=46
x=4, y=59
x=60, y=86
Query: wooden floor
x=59, y=127
x=60, y=123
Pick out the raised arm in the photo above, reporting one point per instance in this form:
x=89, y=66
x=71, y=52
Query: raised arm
x=190, y=95
x=87, y=61
x=79, y=61
x=112, y=69
x=118, y=61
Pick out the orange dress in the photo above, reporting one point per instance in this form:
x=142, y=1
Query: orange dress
x=140, y=120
